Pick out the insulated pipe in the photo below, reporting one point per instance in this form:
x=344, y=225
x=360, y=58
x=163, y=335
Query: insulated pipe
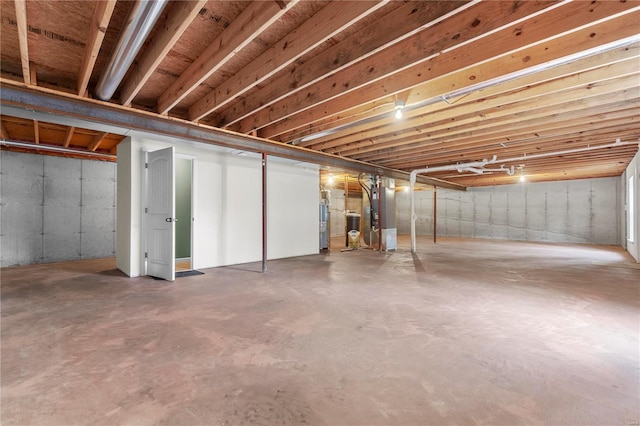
x=141, y=19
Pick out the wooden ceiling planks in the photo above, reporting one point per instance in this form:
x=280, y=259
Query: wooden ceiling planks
x=477, y=78
x=57, y=135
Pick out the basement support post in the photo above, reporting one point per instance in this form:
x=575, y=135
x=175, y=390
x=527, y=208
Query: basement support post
x=379, y=178
x=264, y=212
x=346, y=194
x=435, y=212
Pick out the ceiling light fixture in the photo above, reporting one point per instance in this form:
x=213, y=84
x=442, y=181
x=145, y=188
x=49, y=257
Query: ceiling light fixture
x=399, y=107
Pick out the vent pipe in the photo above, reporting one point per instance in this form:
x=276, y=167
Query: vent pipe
x=141, y=19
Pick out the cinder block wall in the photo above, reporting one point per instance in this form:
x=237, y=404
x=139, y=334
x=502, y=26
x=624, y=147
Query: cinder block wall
x=578, y=211
x=54, y=209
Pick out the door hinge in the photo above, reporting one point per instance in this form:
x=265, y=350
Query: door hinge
x=146, y=254
x=146, y=210
x=146, y=165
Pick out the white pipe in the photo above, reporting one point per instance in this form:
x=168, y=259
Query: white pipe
x=478, y=166
x=140, y=21
x=412, y=186
x=472, y=170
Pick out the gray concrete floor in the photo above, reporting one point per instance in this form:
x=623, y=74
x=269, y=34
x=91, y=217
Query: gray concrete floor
x=466, y=332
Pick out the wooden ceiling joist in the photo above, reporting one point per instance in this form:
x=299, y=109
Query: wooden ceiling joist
x=507, y=116
x=97, y=140
x=99, y=22
x=506, y=92
x=179, y=18
x=252, y=22
x=3, y=131
x=507, y=49
x=329, y=21
x=21, y=21
x=496, y=133
x=359, y=46
x=68, y=136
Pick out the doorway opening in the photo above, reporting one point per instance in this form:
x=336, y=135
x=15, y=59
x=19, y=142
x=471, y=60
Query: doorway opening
x=184, y=214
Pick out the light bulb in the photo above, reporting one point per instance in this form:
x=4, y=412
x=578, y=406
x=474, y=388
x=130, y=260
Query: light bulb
x=398, y=107
x=522, y=178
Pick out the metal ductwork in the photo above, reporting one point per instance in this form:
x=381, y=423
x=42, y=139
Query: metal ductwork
x=141, y=19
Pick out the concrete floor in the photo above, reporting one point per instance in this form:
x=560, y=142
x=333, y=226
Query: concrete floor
x=467, y=332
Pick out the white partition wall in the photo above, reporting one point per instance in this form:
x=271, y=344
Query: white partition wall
x=631, y=194
x=227, y=206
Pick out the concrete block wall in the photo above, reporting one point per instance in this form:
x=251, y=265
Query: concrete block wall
x=55, y=209
x=579, y=211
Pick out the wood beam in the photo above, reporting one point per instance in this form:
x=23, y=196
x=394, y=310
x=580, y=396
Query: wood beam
x=504, y=125
x=385, y=32
x=438, y=106
x=551, y=93
x=253, y=21
x=3, y=131
x=509, y=45
x=178, y=20
x=36, y=132
x=499, y=137
x=99, y=23
x=68, y=136
x=23, y=39
x=615, y=126
x=471, y=24
x=97, y=140
x=329, y=21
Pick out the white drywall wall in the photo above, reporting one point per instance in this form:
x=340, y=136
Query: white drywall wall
x=227, y=211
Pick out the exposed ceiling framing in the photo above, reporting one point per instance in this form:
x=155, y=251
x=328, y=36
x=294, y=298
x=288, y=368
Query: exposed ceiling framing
x=476, y=78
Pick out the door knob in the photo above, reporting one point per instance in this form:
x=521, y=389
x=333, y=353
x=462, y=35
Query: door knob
x=168, y=219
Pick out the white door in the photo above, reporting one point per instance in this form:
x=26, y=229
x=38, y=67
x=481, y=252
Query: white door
x=161, y=214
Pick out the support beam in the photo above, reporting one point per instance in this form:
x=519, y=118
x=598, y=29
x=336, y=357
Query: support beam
x=407, y=54
x=435, y=213
x=264, y=212
x=362, y=45
x=516, y=47
x=99, y=23
x=36, y=132
x=3, y=131
x=253, y=21
x=21, y=20
x=97, y=140
x=473, y=97
x=22, y=101
x=328, y=22
x=178, y=20
x=68, y=136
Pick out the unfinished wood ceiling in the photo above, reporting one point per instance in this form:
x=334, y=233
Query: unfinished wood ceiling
x=547, y=87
